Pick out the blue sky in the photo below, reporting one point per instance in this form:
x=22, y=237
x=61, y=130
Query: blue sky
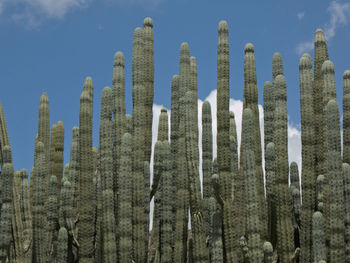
x=52, y=45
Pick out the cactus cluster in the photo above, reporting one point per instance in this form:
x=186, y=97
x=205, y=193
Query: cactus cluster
x=96, y=208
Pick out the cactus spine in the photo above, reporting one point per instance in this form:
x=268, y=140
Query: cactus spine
x=336, y=216
x=284, y=230
x=85, y=223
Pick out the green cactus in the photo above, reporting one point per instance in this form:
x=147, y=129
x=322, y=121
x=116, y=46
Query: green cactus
x=308, y=160
x=223, y=137
x=17, y=224
x=163, y=125
x=251, y=187
x=271, y=192
x=109, y=232
x=62, y=246
x=346, y=117
x=296, y=201
x=319, y=192
x=318, y=238
x=4, y=138
x=346, y=182
x=207, y=161
x=52, y=219
x=192, y=157
x=181, y=181
x=277, y=66
x=285, y=237
x=85, y=223
x=268, y=252
x=336, y=215
x=320, y=55
x=215, y=241
x=6, y=208
x=139, y=129
x=124, y=222
x=56, y=153
x=269, y=108
x=251, y=101
x=129, y=124
x=74, y=167
x=99, y=226
x=38, y=210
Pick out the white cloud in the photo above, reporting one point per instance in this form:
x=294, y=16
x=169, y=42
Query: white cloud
x=300, y=15
x=33, y=12
x=339, y=13
x=144, y=3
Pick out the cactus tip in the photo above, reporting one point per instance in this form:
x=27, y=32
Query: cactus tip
x=346, y=74
x=327, y=67
x=148, y=22
x=223, y=27
x=319, y=35
x=305, y=62
x=249, y=47
x=119, y=59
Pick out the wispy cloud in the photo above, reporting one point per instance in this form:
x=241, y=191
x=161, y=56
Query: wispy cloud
x=143, y=3
x=300, y=15
x=33, y=12
x=339, y=14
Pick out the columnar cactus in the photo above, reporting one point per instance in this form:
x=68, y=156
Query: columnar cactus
x=44, y=132
x=277, y=66
x=139, y=129
x=336, y=215
x=296, y=201
x=207, y=161
x=320, y=192
x=124, y=222
x=56, y=153
x=52, y=219
x=269, y=108
x=129, y=125
x=109, y=232
x=271, y=192
x=318, y=238
x=223, y=139
x=215, y=242
x=7, y=175
x=62, y=246
x=85, y=223
x=268, y=252
x=4, y=139
x=285, y=237
x=39, y=215
x=320, y=55
x=74, y=167
x=346, y=117
x=251, y=187
x=17, y=225
x=251, y=101
x=163, y=125
x=192, y=158
x=346, y=181
x=181, y=181
x=308, y=152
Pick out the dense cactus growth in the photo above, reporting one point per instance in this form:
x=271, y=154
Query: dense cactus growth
x=98, y=208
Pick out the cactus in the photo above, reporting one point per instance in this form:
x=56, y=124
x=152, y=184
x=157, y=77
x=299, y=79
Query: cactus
x=223, y=137
x=85, y=223
x=320, y=192
x=277, y=66
x=163, y=125
x=336, y=215
x=6, y=208
x=284, y=230
x=74, y=167
x=271, y=192
x=268, y=252
x=251, y=187
x=318, y=238
x=192, y=157
x=62, y=246
x=320, y=55
x=346, y=181
x=207, y=161
x=4, y=139
x=269, y=107
x=308, y=153
x=56, y=153
x=38, y=210
x=251, y=101
x=119, y=119
x=181, y=181
x=124, y=222
x=129, y=125
x=215, y=241
x=139, y=129
x=109, y=235
x=99, y=225
x=52, y=219
x=346, y=117
x=296, y=201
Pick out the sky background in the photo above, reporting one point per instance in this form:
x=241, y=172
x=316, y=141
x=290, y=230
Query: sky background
x=52, y=45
